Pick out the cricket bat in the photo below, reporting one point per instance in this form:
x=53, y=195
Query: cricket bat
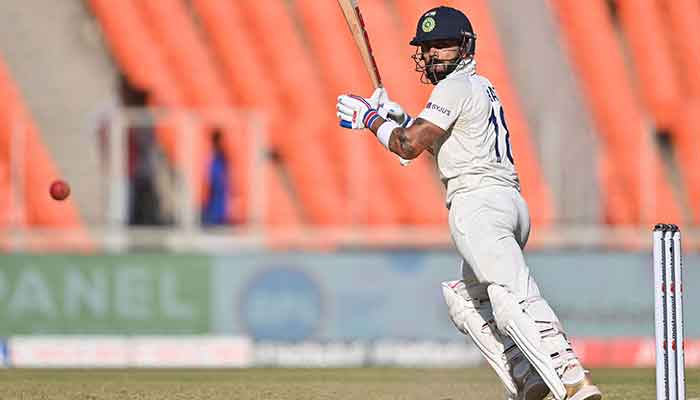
x=353, y=17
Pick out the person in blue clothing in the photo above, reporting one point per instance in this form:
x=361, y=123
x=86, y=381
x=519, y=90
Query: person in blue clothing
x=216, y=207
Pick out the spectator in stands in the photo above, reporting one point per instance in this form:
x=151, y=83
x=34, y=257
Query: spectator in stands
x=144, y=199
x=216, y=208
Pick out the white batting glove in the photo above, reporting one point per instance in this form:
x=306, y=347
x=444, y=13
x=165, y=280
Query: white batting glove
x=395, y=112
x=392, y=110
x=357, y=112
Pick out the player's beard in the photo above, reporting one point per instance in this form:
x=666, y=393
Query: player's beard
x=436, y=70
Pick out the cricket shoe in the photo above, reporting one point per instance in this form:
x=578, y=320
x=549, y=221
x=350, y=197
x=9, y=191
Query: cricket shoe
x=534, y=388
x=583, y=390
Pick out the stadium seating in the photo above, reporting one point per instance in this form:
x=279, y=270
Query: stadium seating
x=682, y=19
x=653, y=60
x=235, y=61
x=225, y=24
x=36, y=171
x=144, y=60
x=6, y=195
x=415, y=186
x=145, y=64
x=364, y=164
x=491, y=62
x=631, y=168
x=659, y=80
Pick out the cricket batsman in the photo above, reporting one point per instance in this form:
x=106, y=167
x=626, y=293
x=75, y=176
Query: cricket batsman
x=497, y=302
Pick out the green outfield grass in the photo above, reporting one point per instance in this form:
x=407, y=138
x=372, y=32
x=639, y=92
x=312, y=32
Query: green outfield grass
x=297, y=384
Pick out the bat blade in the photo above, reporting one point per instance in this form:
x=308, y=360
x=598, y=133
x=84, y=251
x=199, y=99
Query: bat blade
x=353, y=17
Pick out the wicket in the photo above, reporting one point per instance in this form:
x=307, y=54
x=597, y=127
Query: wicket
x=668, y=313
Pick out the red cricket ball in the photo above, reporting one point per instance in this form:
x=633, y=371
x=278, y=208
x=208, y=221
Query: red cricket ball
x=59, y=190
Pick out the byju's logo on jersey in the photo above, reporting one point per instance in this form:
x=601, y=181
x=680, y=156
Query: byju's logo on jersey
x=438, y=108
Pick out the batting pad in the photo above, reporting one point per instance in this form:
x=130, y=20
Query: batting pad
x=518, y=323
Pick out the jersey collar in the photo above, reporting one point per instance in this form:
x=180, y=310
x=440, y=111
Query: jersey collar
x=467, y=66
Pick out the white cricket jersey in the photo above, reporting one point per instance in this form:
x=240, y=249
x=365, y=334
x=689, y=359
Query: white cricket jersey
x=476, y=151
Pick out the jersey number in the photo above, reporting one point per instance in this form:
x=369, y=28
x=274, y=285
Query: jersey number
x=497, y=126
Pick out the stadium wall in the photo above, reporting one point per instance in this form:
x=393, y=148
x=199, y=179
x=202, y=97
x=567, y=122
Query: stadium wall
x=310, y=296
x=307, y=309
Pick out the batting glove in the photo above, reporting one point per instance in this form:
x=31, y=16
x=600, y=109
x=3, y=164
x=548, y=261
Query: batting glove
x=357, y=112
x=395, y=112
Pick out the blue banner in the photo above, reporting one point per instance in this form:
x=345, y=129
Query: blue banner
x=343, y=296
x=348, y=296
x=4, y=357
x=332, y=296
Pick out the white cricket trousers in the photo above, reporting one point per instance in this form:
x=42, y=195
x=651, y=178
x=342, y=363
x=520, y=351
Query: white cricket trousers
x=490, y=227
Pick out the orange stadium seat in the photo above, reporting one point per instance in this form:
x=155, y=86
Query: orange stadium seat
x=136, y=51
x=141, y=59
x=687, y=151
x=175, y=33
x=416, y=187
x=234, y=47
x=304, y=126
x=653, y=59
x=279, y=210
x=7, y=195
x=683, y=18
x=661, y=77
x=38, y=169
x=363, y=160
x=214, y=93
x=193, y=68
x=682, y=21
x=189, y=81
x=635, y=167
x=184, y=50
x=615, y=196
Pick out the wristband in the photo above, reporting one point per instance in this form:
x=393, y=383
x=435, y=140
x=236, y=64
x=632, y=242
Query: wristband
x=384, y=132
x=369, y=117
x=408, y=121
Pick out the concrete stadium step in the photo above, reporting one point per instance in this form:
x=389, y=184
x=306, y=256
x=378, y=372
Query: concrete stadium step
x=64, y=77
x=561, y=125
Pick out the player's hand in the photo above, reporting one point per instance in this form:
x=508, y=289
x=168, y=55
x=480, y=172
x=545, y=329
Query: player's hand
x=395, y=112
x=356, y=112
x=392, y=110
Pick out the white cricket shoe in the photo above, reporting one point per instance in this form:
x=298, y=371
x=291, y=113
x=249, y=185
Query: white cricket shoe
x=583, y=390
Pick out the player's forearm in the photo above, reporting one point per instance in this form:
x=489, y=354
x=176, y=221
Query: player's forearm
x=401, y=144
x=399, y=140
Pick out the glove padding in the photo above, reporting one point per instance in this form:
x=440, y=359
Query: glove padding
x=395, y=112
x=356, y=112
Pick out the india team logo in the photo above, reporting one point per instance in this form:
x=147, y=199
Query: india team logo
x=428, y=24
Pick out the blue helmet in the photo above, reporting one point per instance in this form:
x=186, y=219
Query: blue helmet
x=443, y=23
